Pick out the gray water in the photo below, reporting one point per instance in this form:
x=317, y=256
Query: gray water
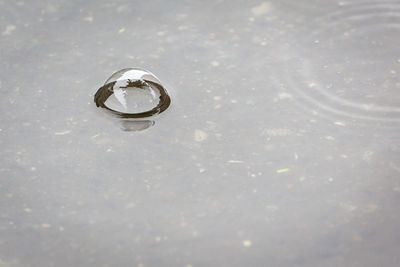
x=280, y=147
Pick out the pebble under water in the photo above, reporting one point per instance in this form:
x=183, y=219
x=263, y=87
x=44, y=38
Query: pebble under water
x=133, y=93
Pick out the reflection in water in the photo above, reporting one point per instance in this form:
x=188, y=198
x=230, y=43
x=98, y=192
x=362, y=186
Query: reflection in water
x=345, y=68
x=135, y=125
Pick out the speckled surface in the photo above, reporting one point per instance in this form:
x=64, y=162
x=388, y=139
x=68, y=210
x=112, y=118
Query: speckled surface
x=280, y=148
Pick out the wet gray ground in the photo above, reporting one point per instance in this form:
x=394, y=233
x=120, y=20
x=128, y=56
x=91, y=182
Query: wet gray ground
x=280, y=148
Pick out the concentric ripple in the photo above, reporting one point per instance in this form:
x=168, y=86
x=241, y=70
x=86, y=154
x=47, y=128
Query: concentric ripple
x=349, y=65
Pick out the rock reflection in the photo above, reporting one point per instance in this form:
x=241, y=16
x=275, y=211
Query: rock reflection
x=136, y=125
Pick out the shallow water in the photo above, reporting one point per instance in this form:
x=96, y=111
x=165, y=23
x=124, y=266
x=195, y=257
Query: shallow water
x=280, y=147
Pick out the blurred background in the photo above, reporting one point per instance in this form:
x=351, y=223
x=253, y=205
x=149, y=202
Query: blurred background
x=280, y=147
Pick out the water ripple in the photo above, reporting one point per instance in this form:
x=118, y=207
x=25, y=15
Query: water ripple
x=348, y=64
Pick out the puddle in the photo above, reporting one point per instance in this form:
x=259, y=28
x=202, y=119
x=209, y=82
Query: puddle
x=280, y=147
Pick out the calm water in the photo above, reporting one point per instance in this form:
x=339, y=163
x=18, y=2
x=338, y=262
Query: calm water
x=280, y=147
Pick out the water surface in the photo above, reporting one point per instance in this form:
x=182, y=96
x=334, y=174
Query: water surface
x=280, y=148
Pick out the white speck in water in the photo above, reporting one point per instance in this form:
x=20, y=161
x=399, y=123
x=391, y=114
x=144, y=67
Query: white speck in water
x=283, y=170
x=46, y=225
x=311, y=85
x=271, y=208
x=370, y=208
x=88, y=19
x=235, y=161
x=247, y=243
x=130, y=205
x=262, y=9
x=62, y=132
x=276, y=132
x=180, y=17
x=215, y=63
x=200, y=136
x=282, y=96
x=339, y=123
x=8, y=30
x=367, y=155
x=348, y=207
x=183, y=27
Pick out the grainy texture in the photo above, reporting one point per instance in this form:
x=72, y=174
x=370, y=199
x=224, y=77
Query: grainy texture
x=280, y=148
